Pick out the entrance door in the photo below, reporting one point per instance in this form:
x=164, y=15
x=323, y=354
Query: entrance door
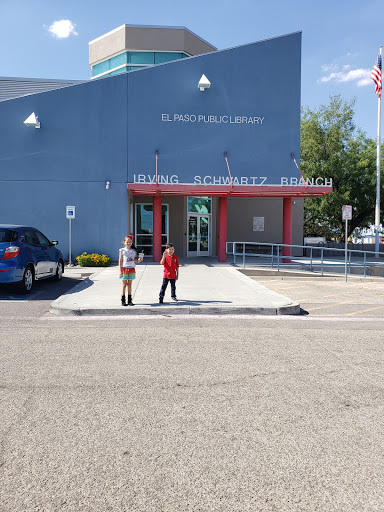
x=198, y=234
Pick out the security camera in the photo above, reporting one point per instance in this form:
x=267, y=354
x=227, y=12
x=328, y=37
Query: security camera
x=204, y=83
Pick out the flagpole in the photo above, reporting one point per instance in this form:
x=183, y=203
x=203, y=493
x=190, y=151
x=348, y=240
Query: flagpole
x=377, y=209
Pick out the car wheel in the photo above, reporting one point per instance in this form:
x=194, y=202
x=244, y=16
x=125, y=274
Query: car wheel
x=59, y=271
x=28, y=279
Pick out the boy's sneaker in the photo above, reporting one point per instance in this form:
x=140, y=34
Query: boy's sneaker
x=160, y=300
x=175, y=299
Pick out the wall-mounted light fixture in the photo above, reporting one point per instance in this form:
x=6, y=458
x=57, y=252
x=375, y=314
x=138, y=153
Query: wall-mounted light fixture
x=32, y=120
x=107, y=184
x=204, y=83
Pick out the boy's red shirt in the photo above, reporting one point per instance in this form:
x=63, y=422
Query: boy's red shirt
x=171, y=263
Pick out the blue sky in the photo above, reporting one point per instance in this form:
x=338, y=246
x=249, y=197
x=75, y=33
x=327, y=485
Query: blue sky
x=341, y=38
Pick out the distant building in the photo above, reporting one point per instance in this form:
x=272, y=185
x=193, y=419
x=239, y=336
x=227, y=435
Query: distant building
x=366, y=235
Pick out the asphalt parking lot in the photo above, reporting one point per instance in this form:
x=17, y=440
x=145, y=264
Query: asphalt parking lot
x=194, y=413
x=331, y=296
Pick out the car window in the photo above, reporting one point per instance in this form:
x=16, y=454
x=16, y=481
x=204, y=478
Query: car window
x=43, y=240
x=8, y=235
x=30, y=237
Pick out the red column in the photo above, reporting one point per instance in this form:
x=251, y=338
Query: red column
x=222, y=245
x=156, y=228
x=287, y=227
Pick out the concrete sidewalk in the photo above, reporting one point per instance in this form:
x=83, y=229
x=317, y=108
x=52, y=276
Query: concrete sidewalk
x=203, y=288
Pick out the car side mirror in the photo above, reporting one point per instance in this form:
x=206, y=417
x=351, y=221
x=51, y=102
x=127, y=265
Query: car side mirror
x=54, y=242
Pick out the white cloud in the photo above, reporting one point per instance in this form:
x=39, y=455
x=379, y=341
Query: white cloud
x=329, y=67
x=360, y=76
x=365, y=81
x=353, y=55
x=62, y=29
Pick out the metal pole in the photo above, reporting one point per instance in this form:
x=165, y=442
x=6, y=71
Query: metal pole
x=365, y=264
x=311, y=259
x=346, y=250
x=377, y=208
x=70, y=244
x=349, y=261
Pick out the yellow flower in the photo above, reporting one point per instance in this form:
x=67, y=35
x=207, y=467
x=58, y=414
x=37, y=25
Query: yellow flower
x=93, y=259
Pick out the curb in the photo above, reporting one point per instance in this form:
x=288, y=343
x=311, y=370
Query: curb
x=291, y=309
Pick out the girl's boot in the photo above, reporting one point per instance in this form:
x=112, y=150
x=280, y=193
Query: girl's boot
x=123, y=303
x=130, y=303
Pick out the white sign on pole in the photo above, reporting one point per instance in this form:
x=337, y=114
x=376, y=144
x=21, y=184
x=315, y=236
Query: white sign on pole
x=347, y=212
x=70, y=212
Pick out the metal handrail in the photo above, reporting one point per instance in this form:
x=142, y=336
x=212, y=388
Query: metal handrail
x=277, y=248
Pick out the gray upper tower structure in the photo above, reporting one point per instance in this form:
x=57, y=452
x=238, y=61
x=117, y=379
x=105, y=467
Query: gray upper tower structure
x=131, y=47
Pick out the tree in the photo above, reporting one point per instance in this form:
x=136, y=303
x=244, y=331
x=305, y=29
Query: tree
x=332, y=147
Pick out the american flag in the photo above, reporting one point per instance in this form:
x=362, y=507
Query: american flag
x=376, y=75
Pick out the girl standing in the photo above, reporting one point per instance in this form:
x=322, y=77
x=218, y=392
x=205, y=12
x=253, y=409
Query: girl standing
x=127, y=262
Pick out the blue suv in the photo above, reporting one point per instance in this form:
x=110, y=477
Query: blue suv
x=26, y=254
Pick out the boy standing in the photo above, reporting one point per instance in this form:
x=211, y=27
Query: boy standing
x=171, y=272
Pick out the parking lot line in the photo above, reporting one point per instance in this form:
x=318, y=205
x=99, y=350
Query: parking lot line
x=285, y=281
x=321, y=297
x=285, y=288
x=364, y=310
x=334, y=304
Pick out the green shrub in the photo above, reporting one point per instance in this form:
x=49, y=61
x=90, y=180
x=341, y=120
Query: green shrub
x=93, y=260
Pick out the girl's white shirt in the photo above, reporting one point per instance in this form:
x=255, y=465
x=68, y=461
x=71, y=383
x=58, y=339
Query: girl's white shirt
x=128, y=257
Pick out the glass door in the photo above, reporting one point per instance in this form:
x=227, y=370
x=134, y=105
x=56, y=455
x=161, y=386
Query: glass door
x=198, y=234
x=203, y=235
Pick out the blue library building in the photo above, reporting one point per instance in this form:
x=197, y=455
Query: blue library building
x=169, y=140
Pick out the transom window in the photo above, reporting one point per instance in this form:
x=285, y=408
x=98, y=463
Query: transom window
x=199, y=204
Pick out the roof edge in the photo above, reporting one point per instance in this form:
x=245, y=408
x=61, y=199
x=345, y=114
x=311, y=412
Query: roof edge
x=47, y=80
x=149, y=26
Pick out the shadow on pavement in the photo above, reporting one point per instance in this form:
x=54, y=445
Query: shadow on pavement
x=46, y=289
